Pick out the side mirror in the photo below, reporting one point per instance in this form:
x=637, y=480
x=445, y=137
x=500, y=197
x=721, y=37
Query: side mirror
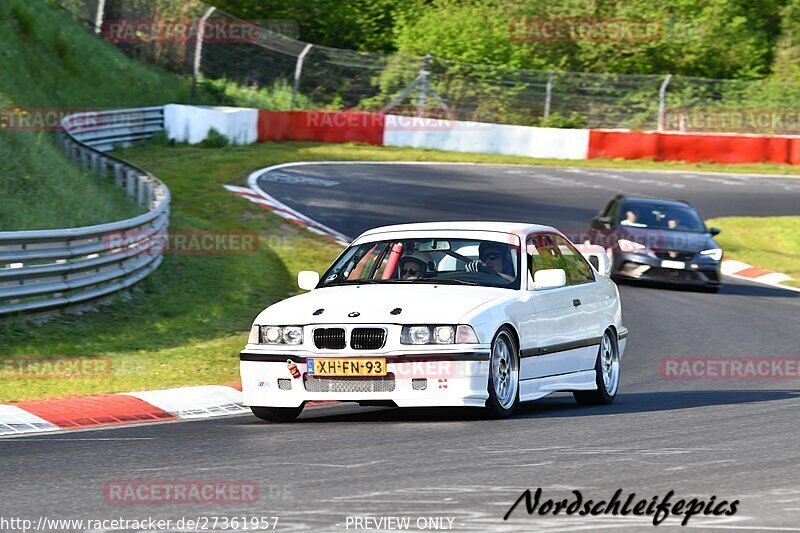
x=604, y=222
x=307, y=279
x=597, y=256
x=549, y=279
x=714, y=231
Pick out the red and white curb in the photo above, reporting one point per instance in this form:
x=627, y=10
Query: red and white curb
x=80, y=412
x=738, y=270
x=266, y=201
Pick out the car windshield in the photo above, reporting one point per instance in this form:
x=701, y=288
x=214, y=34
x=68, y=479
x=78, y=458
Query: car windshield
x=661, y=217
x=432, y=260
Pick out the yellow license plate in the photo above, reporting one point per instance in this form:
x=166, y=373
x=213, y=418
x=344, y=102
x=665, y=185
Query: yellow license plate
x=346, y=367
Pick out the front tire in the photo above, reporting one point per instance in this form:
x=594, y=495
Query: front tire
x=607, y=374
x=503, y=376
x=277, y=414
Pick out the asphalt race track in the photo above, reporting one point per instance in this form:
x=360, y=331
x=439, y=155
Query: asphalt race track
x=733, y=439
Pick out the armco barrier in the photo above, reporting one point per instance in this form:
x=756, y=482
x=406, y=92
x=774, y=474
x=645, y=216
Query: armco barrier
x=45, y=269
x=323, y=126
x=719, y=148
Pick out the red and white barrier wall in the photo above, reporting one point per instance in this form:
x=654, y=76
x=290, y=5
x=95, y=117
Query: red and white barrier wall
x=244, y=126
x=460, y=136
x=185, y=123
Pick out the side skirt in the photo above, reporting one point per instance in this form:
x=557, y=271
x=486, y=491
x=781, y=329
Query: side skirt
x=533, y=389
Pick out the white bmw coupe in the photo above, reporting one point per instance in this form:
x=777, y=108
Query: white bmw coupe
x=475, y=314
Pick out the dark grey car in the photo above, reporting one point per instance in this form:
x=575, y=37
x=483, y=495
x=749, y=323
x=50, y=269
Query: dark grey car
x=658, y=240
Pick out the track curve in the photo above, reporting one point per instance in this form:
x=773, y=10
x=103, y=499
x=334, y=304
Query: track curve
x=729, y=439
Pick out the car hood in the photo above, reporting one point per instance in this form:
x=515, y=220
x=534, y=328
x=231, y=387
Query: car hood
x=684, y=241
x=420, y=304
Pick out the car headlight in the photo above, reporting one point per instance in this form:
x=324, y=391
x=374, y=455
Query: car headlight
x=713, y=253
x=462, y=334
x=415, y=335
x=630, y=246
x=292, y=335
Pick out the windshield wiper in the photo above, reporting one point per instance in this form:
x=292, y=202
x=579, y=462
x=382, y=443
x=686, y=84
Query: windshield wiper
x=447, y=281
x=354, y=282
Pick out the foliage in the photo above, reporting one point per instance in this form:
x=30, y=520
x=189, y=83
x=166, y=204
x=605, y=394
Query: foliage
x=711, y=38
x=557, y=120
x=359, y=24
x=214, y=139
x=277, y=97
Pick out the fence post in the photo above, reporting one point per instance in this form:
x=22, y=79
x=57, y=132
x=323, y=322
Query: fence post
x=98, y=17
x=423, y=85
x=198, y=49
x=662, y=101
x=548, y=97
x=298, y=70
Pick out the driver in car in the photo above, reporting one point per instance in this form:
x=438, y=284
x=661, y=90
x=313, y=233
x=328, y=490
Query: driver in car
x=410, y=268
x=493, y=259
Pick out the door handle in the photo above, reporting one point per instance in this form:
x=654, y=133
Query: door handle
x=576, y=302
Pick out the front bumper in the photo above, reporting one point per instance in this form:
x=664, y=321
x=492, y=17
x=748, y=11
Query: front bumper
x=450, y=379
x=699, y=271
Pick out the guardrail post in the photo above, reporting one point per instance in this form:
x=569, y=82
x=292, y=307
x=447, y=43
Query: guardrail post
x=93, y=163
x=130, y=183
x=149, y=194
x=119, y=179
x=141, y=187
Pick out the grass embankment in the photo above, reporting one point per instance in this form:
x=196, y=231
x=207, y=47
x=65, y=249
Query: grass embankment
x=50, y=64
x=766, y=242
x=186, y=323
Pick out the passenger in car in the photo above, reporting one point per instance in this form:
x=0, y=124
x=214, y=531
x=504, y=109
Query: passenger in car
x=410, y=268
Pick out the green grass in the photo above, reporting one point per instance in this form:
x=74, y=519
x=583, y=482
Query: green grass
x=766, y=242
x=49, y=62
x=186, y=323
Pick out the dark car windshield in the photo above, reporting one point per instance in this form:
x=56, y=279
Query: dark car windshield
x=661, y=217
x=427, y=260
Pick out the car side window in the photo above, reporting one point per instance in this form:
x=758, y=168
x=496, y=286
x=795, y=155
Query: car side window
x=542, y=254
x=613, y=209
x=577, y=268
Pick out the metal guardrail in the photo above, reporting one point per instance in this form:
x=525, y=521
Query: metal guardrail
x=46, y=269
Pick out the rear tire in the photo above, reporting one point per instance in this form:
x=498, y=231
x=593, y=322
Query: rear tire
x=503, y=381
x=277, y=414
x=607, y=374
